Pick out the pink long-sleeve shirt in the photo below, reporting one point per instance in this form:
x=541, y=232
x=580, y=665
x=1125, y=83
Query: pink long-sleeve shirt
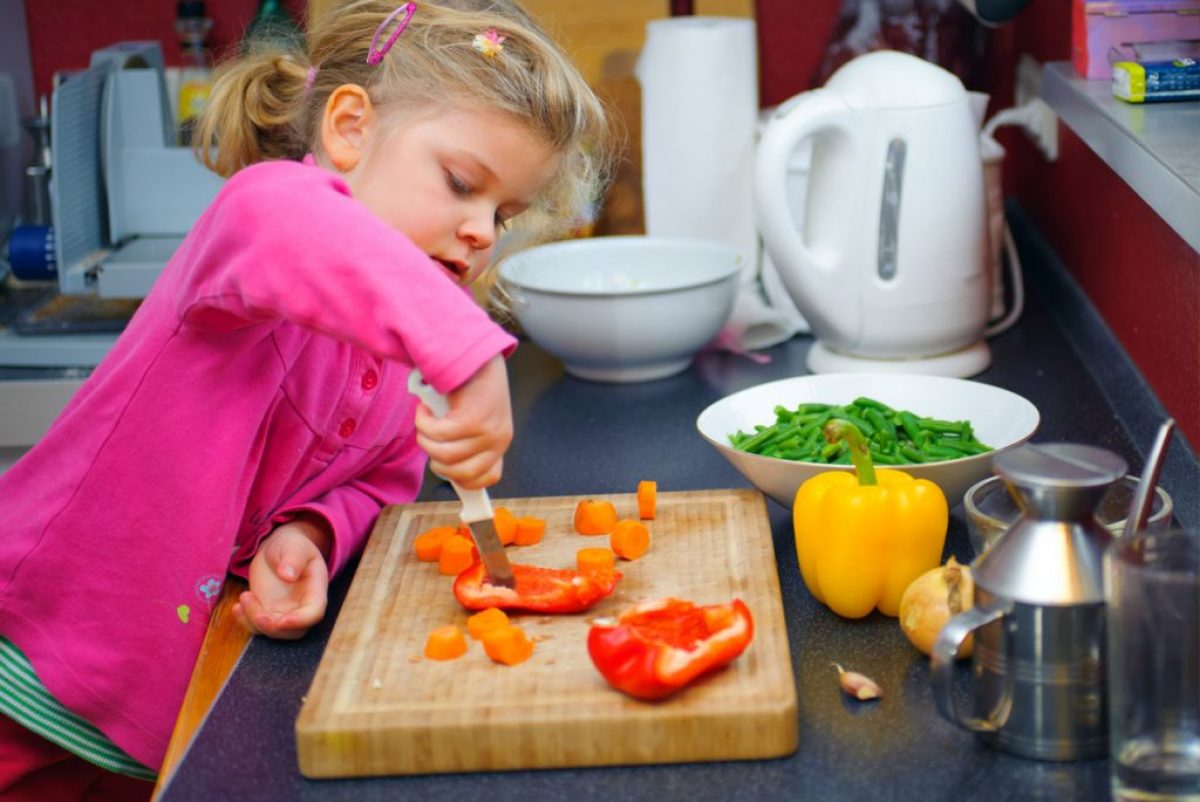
x=262, y=376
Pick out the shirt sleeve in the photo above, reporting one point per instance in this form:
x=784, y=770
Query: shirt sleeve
x=351, y=509
x=285, y=240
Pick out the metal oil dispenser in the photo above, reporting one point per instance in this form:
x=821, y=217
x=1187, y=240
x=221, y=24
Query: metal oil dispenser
x=1038, y=678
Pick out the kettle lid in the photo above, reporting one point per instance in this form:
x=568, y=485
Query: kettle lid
x=1053, y=554
x=888, y=79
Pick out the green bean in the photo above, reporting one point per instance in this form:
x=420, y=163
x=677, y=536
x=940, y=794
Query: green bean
x=883, y=426
x=883, y=458
x=864, y=402
x=830, y=450
x=908, y=422
x=941, y=452
x=941, y=426
x=966, y=447
x=843, y=413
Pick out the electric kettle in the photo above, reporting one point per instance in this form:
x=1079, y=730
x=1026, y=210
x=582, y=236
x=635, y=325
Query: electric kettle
x=891, y=269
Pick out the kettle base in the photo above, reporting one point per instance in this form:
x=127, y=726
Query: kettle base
x=960, y=364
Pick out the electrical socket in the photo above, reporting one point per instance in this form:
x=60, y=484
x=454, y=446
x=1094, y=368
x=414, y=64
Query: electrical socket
x=1042, y=127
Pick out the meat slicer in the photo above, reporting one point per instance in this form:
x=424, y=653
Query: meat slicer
x=123, y=196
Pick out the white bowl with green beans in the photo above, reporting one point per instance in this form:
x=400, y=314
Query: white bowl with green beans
x=932, y=427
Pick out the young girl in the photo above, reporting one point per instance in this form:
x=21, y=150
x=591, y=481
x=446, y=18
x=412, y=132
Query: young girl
x=253, y=417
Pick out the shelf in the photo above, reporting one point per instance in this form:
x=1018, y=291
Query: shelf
x=1154, y=147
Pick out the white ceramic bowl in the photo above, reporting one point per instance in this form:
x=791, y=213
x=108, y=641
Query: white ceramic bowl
x=623, y=309
x=1001, y=419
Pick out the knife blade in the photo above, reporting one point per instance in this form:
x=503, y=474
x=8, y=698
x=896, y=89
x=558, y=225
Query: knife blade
x=476, y=505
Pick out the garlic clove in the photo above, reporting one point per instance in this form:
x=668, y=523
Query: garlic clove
x=860, y=686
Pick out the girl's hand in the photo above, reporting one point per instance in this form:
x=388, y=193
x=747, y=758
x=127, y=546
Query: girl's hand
x=467, y=445
x=289, y=581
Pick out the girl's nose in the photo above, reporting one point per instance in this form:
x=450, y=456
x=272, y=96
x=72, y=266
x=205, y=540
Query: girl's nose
x=479, y=230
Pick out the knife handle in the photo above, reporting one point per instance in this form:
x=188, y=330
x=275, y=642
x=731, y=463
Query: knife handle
x=476, y=506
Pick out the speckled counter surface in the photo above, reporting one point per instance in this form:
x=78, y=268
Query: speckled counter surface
x=575, y=437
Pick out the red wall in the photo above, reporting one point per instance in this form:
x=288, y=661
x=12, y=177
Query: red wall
x=1143, y=278
x=63, y=33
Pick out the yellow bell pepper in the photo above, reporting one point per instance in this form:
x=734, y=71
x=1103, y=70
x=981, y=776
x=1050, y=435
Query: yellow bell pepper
x=863, y=537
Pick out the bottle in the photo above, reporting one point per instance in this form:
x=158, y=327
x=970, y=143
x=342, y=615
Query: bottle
x=272, y=29
x=195, y=78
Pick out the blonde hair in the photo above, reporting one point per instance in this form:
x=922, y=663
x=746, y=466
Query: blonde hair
x=267, y=105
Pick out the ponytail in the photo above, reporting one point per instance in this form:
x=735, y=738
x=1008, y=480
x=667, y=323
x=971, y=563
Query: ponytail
x=254, y=112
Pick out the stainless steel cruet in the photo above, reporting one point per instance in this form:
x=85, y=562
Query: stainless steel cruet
x=1039, y=617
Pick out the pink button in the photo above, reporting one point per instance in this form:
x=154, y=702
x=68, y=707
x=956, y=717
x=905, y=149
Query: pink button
x=369, y=380
x=347, y=428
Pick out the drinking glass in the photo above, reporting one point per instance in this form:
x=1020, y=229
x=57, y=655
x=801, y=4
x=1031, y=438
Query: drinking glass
x=1152, y=589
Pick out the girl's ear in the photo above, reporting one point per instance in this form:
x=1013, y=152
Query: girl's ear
x=348, y=117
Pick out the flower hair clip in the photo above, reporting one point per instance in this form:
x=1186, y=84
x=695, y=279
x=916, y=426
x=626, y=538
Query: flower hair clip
x=489, y=43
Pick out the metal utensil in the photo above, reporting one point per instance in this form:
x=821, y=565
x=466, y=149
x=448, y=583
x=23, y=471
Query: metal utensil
x=476, y=506
x=1139, y=511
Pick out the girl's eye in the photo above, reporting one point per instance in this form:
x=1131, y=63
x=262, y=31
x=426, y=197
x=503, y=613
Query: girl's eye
x=457, y=185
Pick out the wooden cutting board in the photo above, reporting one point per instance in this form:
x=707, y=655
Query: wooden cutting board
x=378, y=706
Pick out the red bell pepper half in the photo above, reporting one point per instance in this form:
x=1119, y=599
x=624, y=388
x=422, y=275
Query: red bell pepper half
x=541, y=590
x=658, y=647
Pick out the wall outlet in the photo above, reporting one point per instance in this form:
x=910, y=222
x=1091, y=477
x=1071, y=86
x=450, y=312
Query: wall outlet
x=1042, y=123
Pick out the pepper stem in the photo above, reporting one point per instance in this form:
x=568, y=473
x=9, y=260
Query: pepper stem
x=838, y=430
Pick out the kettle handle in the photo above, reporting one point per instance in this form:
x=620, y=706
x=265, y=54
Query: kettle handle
x=943, y=655
x=797, y=119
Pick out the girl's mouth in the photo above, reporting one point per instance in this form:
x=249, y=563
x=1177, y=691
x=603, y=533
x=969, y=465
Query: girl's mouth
x=457, y=271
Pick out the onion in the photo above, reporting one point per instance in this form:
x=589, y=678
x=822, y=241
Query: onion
x=934, y=598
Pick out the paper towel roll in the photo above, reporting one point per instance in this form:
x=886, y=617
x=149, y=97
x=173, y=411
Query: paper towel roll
x=699, y=79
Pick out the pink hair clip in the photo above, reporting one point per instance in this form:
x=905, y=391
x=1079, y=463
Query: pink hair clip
x=489, y=43
x=376, y=54
x=310, y=78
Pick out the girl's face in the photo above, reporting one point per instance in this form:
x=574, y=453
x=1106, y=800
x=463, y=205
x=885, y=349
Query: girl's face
x=450, y=180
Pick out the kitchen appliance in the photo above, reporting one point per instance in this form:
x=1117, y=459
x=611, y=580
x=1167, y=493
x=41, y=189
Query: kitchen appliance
x=122, y=195
x=1039, y=618
x=891, y=268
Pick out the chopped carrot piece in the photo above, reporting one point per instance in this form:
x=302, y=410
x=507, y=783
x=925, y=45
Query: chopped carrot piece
x=597, y=560
x=506, y=525
x=457, y=555
x=647, y=492
x=485, y=621
x=630, y=539
x=595, y=516
x=428, y=544
x=508, y=645
x=529, y=530
x=445, y=643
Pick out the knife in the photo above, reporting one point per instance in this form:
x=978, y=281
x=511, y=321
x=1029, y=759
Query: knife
x=476, y=506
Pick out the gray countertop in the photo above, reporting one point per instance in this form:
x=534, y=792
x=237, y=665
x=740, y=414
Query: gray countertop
x=1059, y=356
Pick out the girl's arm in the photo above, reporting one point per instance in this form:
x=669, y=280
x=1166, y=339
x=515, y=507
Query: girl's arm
x=286, y=240
x=350, y=510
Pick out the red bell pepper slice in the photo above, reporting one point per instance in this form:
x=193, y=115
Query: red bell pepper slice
x=656, y=648
x=541, y=590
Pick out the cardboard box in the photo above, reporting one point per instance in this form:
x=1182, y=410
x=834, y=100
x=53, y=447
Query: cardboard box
x=1127, y=27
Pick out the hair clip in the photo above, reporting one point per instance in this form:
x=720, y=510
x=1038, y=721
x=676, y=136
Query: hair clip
x=374, y=54
x=310, y=78
x=489, y=43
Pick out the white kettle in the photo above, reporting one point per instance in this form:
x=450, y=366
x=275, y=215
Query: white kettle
x=891, y=270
